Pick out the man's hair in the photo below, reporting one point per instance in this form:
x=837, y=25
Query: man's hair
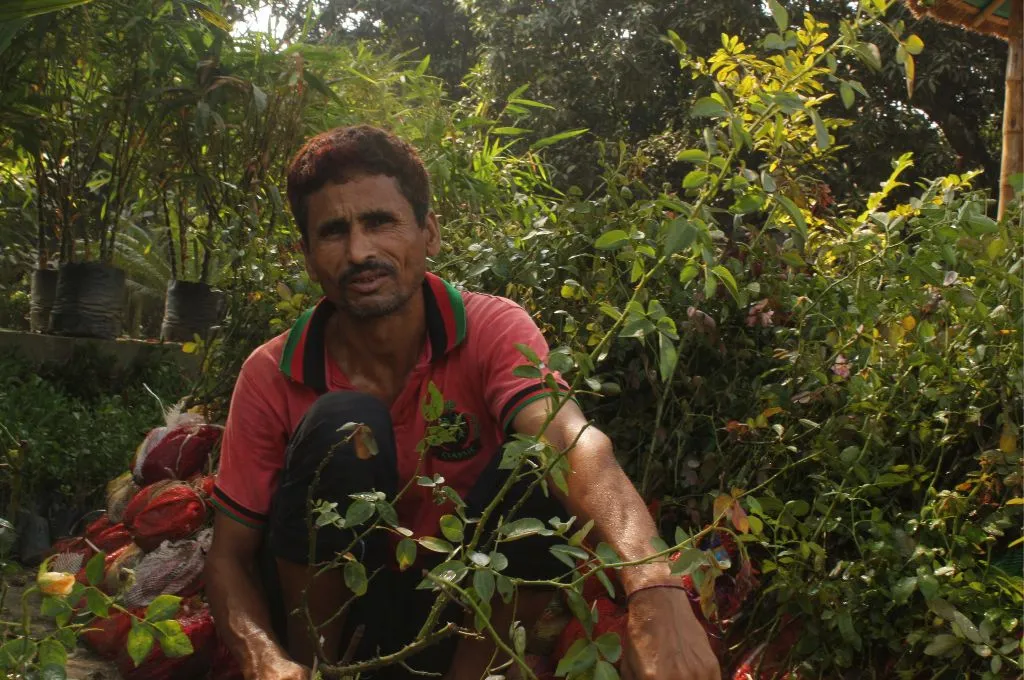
x=344, y=153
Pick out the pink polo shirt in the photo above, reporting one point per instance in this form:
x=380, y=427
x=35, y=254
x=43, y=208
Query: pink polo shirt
x=470, y=355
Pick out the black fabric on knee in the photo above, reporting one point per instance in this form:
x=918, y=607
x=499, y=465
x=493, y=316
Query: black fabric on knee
x=529, y=558
x=318, y=441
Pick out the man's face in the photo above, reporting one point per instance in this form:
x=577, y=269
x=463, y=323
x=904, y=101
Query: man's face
x=364, y=246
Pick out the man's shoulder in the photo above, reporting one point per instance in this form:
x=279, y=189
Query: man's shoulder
x=485, y=305
x=263, y=363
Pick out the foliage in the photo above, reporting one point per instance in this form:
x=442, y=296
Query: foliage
x=73, y=605
x=68, y=430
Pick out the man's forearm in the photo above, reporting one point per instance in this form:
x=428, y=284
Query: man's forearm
x=601, y=491
x=242, y=618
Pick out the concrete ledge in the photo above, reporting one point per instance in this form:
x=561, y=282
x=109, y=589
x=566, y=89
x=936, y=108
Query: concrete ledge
x=40, y=349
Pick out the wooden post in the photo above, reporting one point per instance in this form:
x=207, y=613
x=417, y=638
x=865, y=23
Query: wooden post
x=1013, y=107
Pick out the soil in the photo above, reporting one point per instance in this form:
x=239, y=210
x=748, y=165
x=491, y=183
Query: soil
x=82, y=664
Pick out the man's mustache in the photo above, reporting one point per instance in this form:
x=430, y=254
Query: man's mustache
x=357, y=270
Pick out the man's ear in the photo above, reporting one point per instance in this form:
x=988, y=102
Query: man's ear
x=307, y=261
x=433, y=234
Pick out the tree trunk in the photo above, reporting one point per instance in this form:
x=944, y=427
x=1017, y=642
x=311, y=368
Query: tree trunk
x=1013, y=108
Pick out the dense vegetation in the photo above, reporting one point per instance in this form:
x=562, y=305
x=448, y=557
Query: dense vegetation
x=774, y=282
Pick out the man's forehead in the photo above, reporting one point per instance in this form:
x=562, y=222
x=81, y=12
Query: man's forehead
x=353, y=196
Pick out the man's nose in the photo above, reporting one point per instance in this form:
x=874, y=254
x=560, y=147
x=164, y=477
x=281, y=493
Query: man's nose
x=360, y=245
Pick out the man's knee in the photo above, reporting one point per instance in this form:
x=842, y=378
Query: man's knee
x=322, y=461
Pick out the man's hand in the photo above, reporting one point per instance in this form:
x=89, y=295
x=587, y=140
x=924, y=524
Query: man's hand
x=664, y=639
x=279, y=667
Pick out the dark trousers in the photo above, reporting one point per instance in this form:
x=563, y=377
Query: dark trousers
x=392, y=610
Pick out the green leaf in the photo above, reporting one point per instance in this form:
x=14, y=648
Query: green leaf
x=505, y=588
x=526, y=371
x=405, y=553
x=162, y=608
x=173, y=640
x=913, y=44
x=483, y=584
x=531, y=103
x=521, y=528
x=692, y=156
x=610, y=646
x=511, y=131
x=870, y=55
x=357, y=513
x=942, y=645
x=561, y=136
x=668, y=357
x=140, y=642
x=904, y=589
x=780, y=14
x=97, y=603
x=52, y=653
x=680, y=234
x=821, y=138
x=355, y=578
x=605, y=671
x=435, y=544
x=794, y=213
x=94, y=569
x=846, y=94
x=929, y=586
x=451, y=527
x=17, y=651
x=695, y=179
x=847, y=630
x=707, y=107
x=607, y=583
x=969, y=630
x=211, y=17
x=611, y=239
x=578, y=607
x=607, y=554
x=574, y=657
x=726, y=277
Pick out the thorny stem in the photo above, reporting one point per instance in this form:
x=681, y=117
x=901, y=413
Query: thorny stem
x=389, y=659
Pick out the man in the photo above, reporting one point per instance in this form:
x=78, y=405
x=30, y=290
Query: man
x=384, y=334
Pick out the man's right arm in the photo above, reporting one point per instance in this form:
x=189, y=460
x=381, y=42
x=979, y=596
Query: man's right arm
x=252, y=453
x=239, y=604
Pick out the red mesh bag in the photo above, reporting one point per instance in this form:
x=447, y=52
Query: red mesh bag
x=111, y=539
x=198, y=626
x=174, y=452
x=108, y=636
x=68, y=551
x=98, y=526
x=164, y=511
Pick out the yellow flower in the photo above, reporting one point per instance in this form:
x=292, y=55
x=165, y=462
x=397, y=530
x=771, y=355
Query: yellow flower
x=56, y=583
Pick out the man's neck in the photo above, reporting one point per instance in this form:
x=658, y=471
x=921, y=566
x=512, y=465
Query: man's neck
x=376, y=355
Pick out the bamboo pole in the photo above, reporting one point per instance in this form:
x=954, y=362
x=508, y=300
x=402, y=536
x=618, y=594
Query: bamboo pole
x=1013, y=107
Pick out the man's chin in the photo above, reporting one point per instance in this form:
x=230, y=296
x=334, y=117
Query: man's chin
x=372, y=307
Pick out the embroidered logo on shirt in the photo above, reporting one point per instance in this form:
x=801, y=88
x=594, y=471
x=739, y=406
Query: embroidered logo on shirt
x=462, y=434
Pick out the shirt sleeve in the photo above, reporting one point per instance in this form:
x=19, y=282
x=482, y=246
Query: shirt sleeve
x=500, y=331
x=252, y=453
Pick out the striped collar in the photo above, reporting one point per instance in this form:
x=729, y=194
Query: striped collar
x=303, y=356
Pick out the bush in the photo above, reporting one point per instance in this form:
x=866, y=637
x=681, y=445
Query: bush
x=68, y=430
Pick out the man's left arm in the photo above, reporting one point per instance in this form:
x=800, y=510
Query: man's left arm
x=665, y=640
